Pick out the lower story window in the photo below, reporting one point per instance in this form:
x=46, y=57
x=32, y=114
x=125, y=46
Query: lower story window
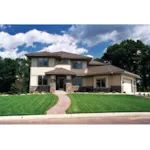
x=42, y=80
x=77, y=81
x=101, y=83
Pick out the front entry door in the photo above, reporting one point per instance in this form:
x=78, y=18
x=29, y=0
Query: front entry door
x=60, y=83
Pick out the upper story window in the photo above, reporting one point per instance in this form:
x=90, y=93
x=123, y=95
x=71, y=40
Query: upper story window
x=42, y=62
x=101, y=83
x=77, y=64
x=63, y=61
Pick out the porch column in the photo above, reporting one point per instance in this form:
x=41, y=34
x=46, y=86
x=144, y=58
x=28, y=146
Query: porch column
x=52, y=84
x=69, y=88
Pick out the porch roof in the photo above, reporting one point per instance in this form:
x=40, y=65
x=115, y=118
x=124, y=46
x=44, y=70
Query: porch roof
x=60, y=71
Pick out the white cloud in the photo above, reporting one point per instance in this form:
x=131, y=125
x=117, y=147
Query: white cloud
x=12, y=54
x=8, y=41
x=105, y=50
x=57, y=42
x=90, y=56
x=92, y=35
x=72, y=48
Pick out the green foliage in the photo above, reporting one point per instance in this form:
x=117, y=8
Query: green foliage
x=11, y=71
x=133, y=56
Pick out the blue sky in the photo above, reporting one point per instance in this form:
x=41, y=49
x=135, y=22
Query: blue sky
x=91, y=40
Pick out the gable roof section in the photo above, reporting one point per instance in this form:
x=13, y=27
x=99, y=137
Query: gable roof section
x=63, y=54
x=108, y=69
x=41, y=54
x=96, y=63
x=59, y=54
x=60, y=71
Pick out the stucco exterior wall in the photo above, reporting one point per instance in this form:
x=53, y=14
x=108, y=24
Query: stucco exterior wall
x=33, y=81
x=88, y=81
x=114, y=80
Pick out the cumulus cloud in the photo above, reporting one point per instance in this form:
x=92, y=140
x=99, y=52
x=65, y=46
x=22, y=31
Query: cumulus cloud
x=8, y=41
x=13, y=54
x=92, y=35
x=72, y=48
x=90, y=56
x=57, y=42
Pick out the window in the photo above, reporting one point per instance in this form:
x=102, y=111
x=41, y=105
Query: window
x=42, y=80
x=77, y=64
x=77, y=81
x=100, y=83
x=63, y=61
x=42, y=62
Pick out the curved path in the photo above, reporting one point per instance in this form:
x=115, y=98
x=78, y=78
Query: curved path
x=61, y=106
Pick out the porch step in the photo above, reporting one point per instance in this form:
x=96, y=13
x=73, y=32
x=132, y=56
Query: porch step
x=60, y=92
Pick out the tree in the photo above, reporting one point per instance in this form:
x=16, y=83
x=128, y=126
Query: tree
x=14, y=75
x=133, y=56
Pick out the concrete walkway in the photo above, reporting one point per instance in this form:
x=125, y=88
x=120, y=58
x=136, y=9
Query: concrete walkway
x=97, y=118
x=62, y=105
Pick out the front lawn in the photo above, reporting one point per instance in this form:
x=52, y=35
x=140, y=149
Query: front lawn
x=96, y=103
x=26, y=104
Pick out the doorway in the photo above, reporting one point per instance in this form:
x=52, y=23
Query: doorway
x=61, y=83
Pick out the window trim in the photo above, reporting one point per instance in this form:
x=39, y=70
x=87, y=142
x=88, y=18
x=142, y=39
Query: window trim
x=101, y=83
x=76, y=61
x=42, y=80
x=42, y=58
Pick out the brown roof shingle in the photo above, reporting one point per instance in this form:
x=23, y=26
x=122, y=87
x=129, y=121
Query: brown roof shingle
x=42, y=54
x=60, y=71
x=107, y=69
x=96, y=63
x=60, y=54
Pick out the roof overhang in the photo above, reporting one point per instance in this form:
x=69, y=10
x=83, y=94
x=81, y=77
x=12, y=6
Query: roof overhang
x=60, y=71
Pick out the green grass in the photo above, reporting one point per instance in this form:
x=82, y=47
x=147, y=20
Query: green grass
x=26, y=104
x=96, y=103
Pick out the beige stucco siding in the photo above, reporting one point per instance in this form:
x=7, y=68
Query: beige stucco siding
x=114, y=80
x=88, y=81
x=51, y=62
x=34, y=62
x=33, y=80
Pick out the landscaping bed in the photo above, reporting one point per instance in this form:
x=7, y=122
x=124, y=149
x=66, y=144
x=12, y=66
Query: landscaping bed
x=34, y=104
x=97, y=103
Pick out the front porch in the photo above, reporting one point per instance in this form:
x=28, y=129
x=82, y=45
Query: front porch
x=60, y=79
x=60, y=83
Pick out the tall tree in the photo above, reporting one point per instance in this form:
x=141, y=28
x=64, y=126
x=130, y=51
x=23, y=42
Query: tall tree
x=133, y=56
x=14, y=75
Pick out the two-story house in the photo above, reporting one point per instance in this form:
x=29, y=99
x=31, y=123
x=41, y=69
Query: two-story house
x=68, y=71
